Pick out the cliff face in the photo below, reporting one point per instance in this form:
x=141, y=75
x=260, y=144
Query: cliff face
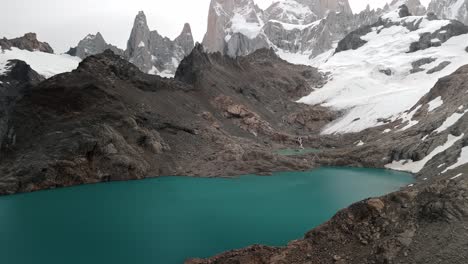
x=153, y=53
x=450, y=9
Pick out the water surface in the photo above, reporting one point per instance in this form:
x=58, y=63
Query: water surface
x=169, y=219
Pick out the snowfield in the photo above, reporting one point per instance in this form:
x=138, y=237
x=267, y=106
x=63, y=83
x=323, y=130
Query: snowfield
x=360, y=87
x=45, y=64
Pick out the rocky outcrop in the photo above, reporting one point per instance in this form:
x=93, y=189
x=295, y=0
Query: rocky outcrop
x=435, y=39
x=92, y=45
x=27, y=42
x=414, y=6
x=450, y=9
x=153, y=53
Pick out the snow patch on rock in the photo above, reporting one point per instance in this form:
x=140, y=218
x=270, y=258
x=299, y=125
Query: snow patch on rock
x=416, y=166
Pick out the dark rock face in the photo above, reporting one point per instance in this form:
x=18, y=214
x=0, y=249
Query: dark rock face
x=108, y=121
x=404, y=11
x=13, y=85
x=27, y=42
x=453, y=29
x=417, y=64
x=439, y=67
x=353, y=40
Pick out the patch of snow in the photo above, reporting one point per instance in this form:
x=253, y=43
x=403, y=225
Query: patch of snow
x=248, y=29
x=461, y=107
x=408, y=119
x=358, y=89
x=436, y=103
x=417, y=166
x=165, y=73
x=141, y=44
x=175, y=62
x=441, y=165
x=458, y=176
x=45, y=64
x=425, y=137
x=450, y=121
x=462, y=160
x=360, y=143
x=411, y=185
x=435, y=40
x=388, y=130
x=289, y=27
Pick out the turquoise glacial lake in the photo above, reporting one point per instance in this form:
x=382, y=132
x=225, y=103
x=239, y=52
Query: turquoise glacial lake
x=167, y=220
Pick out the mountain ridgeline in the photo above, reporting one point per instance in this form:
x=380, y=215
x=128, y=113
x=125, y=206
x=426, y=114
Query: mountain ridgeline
x=148, y=50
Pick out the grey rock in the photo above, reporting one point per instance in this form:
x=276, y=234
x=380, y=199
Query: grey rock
x=450, y=9
x=417, y=64
x=92, y=45
x=27, y=42
x=439, y=67
x=13, y=85
x=426, y=40
x=153, y=53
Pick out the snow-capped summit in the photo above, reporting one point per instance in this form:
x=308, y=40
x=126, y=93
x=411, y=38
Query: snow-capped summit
x=296, y=29
x=450, y=9
x=91, y=45
x=153, y=53
x=385, y=68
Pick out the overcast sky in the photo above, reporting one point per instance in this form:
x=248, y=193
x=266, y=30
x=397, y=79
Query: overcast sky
x=63, y=23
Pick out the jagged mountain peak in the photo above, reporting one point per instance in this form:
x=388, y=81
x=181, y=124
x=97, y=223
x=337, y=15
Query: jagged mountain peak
x=92, y=44
x=156, y=54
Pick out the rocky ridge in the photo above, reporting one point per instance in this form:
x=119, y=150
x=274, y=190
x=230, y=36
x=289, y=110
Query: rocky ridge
x=27, y=42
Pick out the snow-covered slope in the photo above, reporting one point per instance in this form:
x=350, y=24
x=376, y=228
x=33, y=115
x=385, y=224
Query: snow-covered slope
x=399, y=61
x=46, y=64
